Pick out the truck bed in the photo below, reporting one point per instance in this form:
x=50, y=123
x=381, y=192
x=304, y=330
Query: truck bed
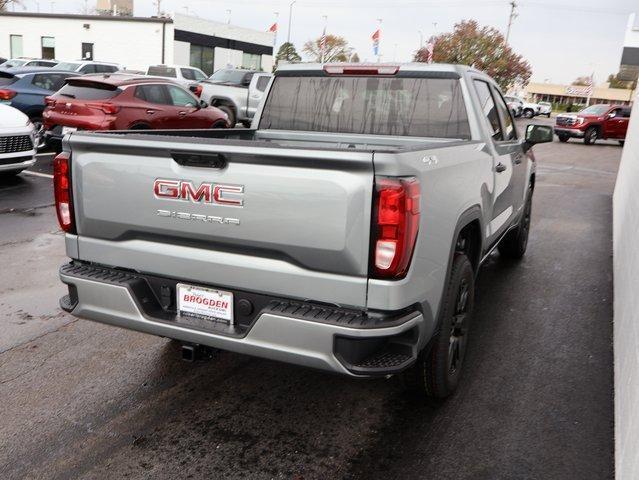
x=286, y=139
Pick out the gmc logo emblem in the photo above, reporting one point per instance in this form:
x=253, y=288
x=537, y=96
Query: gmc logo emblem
x=213, y=193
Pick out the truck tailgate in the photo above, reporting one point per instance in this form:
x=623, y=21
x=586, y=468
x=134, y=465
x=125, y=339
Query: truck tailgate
x=292, y=222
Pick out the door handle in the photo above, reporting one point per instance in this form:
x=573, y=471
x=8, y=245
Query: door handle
x=150, y=112
x=500, y=167
x=181, y=114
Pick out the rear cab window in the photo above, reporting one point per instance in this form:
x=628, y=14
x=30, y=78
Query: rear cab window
x=89, y=90
x=368, y=104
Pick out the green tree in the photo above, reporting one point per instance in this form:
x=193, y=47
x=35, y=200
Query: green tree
x=336, y=49
x=581, y=81
x=288, y=53
x=484, y=48
x=614, y=82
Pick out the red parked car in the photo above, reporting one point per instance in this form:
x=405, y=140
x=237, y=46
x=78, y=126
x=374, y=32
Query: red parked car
x=124, y=102
x=596, y=122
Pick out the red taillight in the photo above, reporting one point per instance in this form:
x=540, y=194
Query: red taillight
x=62, y=192
x=6, y=94
x=395, y=225
x=106, y=107
x=49, y=101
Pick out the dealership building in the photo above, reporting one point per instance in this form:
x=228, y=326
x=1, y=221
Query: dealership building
x=135, y=42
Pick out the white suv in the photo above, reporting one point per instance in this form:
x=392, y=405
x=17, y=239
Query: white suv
x=86, y=66
x=180, y=73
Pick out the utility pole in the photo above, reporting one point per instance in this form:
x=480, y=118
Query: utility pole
x=511, y=17
x=290, y=19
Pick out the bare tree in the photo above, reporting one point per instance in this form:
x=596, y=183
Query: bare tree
x=336, y=49
x=4, y=4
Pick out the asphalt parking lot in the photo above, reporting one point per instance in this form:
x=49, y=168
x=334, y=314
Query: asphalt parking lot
x=84, y=400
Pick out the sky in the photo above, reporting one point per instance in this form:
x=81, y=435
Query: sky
x=562, y=39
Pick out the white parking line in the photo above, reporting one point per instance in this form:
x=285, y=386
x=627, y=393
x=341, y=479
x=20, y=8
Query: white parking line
x=38, y=174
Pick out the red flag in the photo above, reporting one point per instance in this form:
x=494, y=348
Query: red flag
x=273, y=28
x=376, y=35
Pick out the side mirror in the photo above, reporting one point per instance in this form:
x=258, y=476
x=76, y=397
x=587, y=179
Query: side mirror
x=611, y=115
x=203, y=104
x=538, y=134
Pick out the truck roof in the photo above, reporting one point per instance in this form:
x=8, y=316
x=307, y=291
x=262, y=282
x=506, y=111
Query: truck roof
x=405, y=67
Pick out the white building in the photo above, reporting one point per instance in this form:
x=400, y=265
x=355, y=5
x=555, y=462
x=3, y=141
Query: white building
x=135, y=42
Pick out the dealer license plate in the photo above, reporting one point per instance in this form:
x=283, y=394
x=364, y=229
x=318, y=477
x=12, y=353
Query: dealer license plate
x=205, y=302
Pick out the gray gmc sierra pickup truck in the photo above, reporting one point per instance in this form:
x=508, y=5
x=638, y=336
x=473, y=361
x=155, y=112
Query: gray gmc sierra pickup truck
x=343, y=232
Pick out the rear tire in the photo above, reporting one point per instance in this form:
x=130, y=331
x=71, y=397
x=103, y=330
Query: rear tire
x=591, y=135
x=528, y=113
x=514, y=244
x=219, y=124
x=438, y=368
x=563, y=138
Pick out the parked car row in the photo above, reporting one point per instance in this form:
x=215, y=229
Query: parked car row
x=519, y=107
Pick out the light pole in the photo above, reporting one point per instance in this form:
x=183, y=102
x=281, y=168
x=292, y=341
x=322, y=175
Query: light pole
x=323, y=39
x=290, y=18
x=379, y=41
x=228, y=17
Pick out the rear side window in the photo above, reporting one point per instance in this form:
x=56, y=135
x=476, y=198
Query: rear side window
x=105, y=68
x=262, y=82
x=90, y=68
x=160, y=71
x=506, y=119
x=420, y=107
x=89, y=90
x=625, y=112
x=153, y=94
x=489, y=109
x=188, y=73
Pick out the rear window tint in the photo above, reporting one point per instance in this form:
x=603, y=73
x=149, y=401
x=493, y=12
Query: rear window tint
x=89, y=90
x=160, y=71
x=421, y=107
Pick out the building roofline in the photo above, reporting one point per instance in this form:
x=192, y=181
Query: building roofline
x=73, y=16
